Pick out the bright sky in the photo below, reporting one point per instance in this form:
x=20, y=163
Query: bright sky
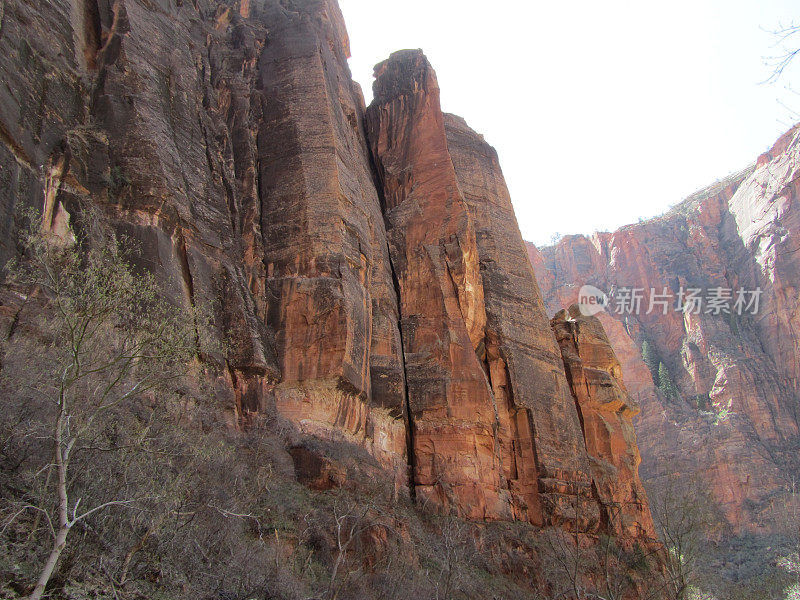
x=602, y=111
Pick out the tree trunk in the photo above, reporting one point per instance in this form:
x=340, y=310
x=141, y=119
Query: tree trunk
x=61, y=458
x=50, y=565
x=123, y=577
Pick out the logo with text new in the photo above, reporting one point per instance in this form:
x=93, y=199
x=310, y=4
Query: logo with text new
x=591, y=300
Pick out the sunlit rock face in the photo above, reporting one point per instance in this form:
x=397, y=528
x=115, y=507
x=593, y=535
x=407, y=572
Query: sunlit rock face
x=519, y=355
x=435, y=257
x=735, y=420
x=364, y=270
x=496, y=428
x=606, y=413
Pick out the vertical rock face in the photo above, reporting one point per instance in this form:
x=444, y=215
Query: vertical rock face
x=519, y=355
x=606, y=413
x=735, y=422
x=495, y=428
x=230, y=141
x=227, y=139
x=329, y=290
x=435, y=256
x=110, y=104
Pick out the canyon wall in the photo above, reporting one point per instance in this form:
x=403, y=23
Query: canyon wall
x=726, y=411
x=364, y=268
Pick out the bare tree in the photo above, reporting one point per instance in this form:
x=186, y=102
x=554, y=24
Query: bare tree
x=352, y=521
x=788, y=45
x=686, y=517
x=612, y=560
x=586, y=562
x=457, y=549
x=787, y=519
x=111, y=340
x=565, y=556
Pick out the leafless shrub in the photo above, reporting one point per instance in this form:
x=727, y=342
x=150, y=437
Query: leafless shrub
x=111, y=342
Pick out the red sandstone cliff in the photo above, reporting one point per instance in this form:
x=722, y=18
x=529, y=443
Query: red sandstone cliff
x=606, y=412
x=735, y=423
x=495, y=430
x=403, y=316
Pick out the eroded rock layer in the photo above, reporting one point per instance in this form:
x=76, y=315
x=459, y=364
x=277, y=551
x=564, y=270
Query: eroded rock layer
x=229, y=140
x=732, y=419
x=606, y=413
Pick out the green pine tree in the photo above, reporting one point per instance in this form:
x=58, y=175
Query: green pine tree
x=665, y=383
x=650, y=357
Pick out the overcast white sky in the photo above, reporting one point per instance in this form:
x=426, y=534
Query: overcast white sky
x=602, y=111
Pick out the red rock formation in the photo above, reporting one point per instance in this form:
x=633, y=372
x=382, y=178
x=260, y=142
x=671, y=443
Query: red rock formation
x=229, y=144
x=228, y=139
x=519, y=354
x=606, y=412
x=433, y=249
x=330, y=295
x=495, y=430
x=736, y=422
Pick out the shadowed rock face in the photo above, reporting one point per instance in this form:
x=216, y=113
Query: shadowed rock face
x=736, y=421
x=230, y=141
x=227, y=140
x=112, y=104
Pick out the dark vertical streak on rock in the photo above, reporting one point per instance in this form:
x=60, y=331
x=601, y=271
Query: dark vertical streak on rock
x=92, y=32
x=408, y=417
x=188, y=282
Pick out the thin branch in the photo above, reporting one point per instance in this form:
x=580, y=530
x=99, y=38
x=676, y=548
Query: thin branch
x=102, y=506
x=22, y=510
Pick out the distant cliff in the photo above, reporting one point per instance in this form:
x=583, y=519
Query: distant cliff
x=732, y=416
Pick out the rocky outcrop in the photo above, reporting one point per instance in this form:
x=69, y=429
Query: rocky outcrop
x=733, y=422
x=606, y=412
x=364, y=269
x=495, y=429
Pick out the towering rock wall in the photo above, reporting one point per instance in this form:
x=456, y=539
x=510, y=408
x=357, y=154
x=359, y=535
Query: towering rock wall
x=110, y=104
x=494, y=423
x=433, y=249
x=230, y=141
x=329, y=292
x=735, y=422
x=519, y=355
x=226, y=138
